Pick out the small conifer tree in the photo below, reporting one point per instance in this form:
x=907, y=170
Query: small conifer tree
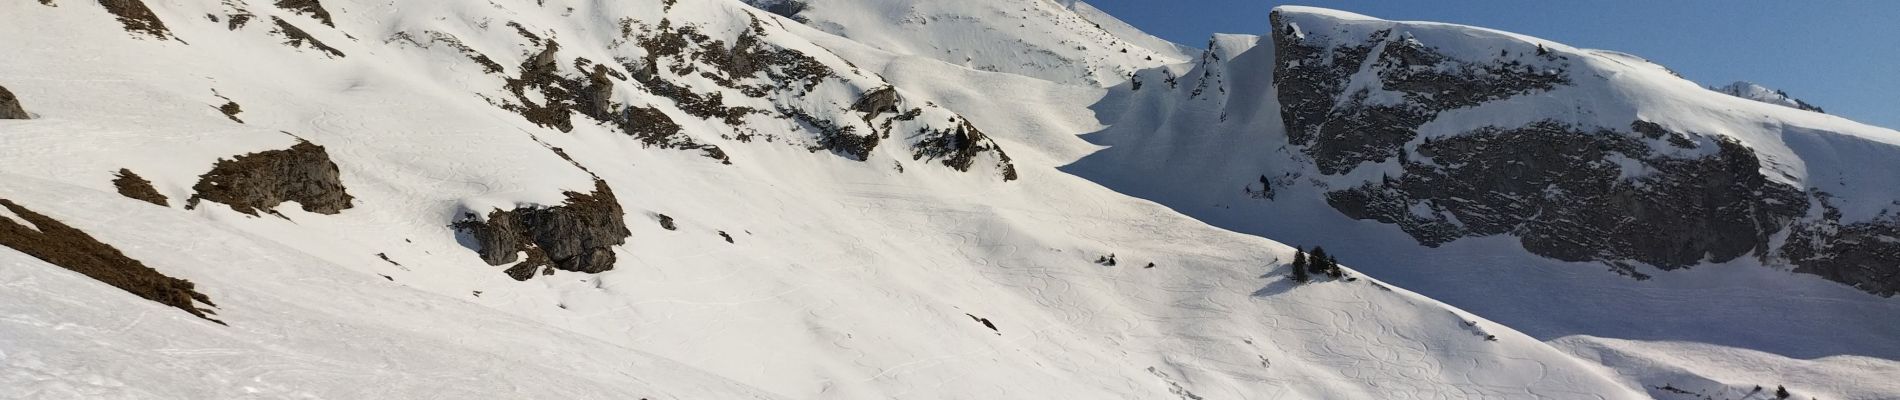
x=1299, y=266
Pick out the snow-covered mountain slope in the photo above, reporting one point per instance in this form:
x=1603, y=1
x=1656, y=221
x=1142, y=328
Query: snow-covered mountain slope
x=1757, y=92
x=1061, y=41
x=1562, y=191
x=1687, y=370
x=631, y=199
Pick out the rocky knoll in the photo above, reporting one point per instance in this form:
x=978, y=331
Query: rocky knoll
x=10, y=106
x=577, y=235
x=263, y=180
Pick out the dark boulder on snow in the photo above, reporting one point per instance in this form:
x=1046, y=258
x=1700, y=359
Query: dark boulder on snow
x=263, y=180
x=296, y=37
x=135, y=187
x=577, y=235
x=312, y=8
x=879, y=101
x=137, y=18
x=10, y=107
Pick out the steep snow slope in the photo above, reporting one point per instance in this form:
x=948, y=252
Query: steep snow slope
x=1044, y=39
x=301, y=326
x=1669, y=370
x=1225, y=123
x=638, y=199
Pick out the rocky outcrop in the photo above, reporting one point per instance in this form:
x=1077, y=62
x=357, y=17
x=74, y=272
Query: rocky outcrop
x=1357, y=95
x=592, y=96
x=839, y=139
x=1342, y=129
x=231, y=109
x=1752, y=91
x=877, y=102
x=959, y=147
x=137, y=18
x=312, y=8
x=577, y=235
x=434, y=37
x=10, y=107
x=653, y=128
x=262, y=181
x=1865, y=255
x=135, y=187
x=541, y=73
x=784, y=8
x=1564, y=193
x=59, y=244
x=296, y=37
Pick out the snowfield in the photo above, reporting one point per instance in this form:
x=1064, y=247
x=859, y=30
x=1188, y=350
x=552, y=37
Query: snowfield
x=1025, y=233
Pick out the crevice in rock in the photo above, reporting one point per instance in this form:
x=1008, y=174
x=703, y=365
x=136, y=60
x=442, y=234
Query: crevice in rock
x=261, y=181
x=59, y=244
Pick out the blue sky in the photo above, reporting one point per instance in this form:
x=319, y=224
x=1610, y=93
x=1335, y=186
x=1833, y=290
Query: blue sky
x=1841, y=55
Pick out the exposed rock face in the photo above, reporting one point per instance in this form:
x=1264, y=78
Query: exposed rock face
x=784, y=8
x=734, y=80
x=434, y=37
x=1562, y=192
x=877, y=102
x=842, y=140
x=59, y=244
x=1342, y=130
x=1865, y=255
x=592, y=96
x=1644, y=193
x=312, y=8
x=1751, y=91
x=959, y=147
x=135, y=187
x=654, y=129
x=541, y=73
x=296, y=37
x=577, y=235
x=137, y=18
x=10, y=106
x=261, y=181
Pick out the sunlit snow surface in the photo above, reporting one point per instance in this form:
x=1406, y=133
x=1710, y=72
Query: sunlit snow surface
x=846, y=279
